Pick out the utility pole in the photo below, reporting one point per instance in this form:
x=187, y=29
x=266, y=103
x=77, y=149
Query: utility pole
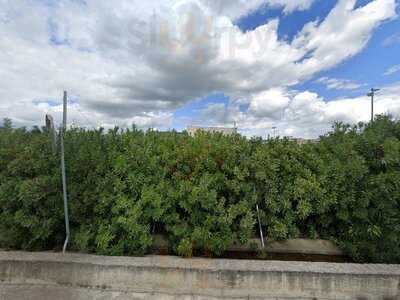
x=52, y=131
x=275, y=131
x=372, y=95
x=64, y=177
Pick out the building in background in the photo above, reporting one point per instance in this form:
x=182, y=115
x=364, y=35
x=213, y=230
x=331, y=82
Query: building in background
x=302, y=141
x=192, y=130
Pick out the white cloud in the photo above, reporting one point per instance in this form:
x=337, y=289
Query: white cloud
x=338, y=84
x=136, y=61
x=218, y=114
x=392, y=40
x=237, y=8
x=306, y=114
x=343, y=33
x=30, y=114
x=392, y=70
x=269, y=103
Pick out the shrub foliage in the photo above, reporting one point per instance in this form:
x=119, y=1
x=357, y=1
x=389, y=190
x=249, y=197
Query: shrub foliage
x=201, y=192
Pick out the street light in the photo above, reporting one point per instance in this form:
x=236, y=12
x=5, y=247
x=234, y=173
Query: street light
x=372, y=94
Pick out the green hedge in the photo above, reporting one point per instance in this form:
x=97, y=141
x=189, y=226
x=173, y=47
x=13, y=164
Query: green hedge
x=126, y=185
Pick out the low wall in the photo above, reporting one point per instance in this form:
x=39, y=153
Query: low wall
x=77, y=276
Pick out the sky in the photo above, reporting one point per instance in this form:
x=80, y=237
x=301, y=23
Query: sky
x=298, y=66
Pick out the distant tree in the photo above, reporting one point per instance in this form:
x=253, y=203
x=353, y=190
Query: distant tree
x=7, y=124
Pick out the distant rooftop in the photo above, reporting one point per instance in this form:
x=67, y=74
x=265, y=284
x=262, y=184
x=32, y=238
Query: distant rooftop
x=302, y=141
x=192, y=130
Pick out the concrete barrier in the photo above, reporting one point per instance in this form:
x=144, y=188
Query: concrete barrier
x=78, y=276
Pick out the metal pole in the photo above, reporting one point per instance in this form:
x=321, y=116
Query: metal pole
x=64, y=178
x=65, y=111
x=372, y=105
x=372, y=94
x=259, y=224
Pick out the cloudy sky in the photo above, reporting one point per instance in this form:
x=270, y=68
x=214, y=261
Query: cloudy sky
x=295, y=65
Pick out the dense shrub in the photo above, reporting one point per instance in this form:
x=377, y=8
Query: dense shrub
x=125, y=186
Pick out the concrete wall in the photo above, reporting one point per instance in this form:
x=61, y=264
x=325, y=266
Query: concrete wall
x=75, y=276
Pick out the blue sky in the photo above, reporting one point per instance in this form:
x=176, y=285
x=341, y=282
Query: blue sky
x=296, y=65
x=367, y=68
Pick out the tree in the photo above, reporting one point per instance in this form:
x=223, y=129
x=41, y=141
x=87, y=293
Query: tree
x=7, y=124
